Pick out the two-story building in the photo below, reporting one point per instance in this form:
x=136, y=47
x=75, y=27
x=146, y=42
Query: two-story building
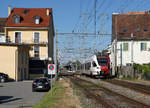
x=130, y=38
x=32, y=27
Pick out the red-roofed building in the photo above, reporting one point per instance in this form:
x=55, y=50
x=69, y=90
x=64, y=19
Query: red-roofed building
x=130, y=38
x=33, y=27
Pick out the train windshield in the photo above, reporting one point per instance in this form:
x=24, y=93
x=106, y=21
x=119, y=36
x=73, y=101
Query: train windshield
x=102, y=61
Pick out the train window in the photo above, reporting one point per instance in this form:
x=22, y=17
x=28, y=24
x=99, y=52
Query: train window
x=102, y=61
x=94, y=64
x=86, y=66
x=89, y=65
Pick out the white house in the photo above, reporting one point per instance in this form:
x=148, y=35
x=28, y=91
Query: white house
x=130, y=39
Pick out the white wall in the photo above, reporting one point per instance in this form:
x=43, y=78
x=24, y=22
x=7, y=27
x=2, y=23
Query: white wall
x=140, y=57
x=2, y=38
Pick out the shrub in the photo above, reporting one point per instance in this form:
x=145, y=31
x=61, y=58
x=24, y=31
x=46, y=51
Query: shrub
x=141, y=68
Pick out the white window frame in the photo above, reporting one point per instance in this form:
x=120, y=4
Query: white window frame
x=145, y=49
x=124, y=46
x=37, y=21
x=34, y=34
x=20, y=36
x=34, y=50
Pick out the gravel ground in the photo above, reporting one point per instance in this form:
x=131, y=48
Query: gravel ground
x=125, y=91
x=85, y=101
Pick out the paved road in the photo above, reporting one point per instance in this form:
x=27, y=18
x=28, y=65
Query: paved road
x=17, y=94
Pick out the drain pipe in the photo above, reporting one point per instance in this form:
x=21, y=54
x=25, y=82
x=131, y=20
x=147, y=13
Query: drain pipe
x=16, y=65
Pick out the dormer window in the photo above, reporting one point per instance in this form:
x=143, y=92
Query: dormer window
x=124, y=30
x=16, y=19
x=137, y=29
x=36, y=19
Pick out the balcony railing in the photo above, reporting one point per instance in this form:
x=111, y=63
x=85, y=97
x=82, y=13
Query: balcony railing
x=32, y=42
x=26, y=42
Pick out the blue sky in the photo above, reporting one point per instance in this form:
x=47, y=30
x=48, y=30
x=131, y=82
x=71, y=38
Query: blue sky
x=70, y=15
x=65, y=12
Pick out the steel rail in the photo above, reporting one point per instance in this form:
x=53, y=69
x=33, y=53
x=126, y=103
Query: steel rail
x=132, y=101
x=90, y=94
x=139, y=88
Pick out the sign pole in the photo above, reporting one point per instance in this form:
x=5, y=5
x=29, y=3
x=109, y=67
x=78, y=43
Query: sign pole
x=51, y=71
x=51, y=83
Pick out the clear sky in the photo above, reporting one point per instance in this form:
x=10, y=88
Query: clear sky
x=65, y=12
x=78, y=15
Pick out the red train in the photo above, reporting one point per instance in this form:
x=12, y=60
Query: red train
x=97, y=66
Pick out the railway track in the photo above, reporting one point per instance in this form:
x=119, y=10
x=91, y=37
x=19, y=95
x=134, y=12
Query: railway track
x=137, y=87
x=105, y=96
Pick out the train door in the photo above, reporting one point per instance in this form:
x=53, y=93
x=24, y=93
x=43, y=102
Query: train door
x=94, y=68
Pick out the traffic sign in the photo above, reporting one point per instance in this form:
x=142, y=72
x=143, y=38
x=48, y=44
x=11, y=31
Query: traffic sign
x=51, y=69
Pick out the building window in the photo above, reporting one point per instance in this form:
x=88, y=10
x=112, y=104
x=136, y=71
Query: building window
x=124, y=30
x=138, y=30
x=36, y=37
x=16, y=19
x=36, y=19
x=17, y=37
x=125, y=46
x=143, y=46
x=36, y=51
x=145, y=30
x=22, y=57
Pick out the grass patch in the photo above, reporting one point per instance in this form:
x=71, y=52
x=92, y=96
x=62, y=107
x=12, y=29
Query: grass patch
x=86, y=84
x=51, y=97
x=94, y=89
x=128, y=78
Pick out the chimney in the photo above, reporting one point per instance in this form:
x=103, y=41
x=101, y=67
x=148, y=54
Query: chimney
x=47, y=12
x=9, y=10
x=122, y=11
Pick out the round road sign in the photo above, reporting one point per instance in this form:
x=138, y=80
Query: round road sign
x=51, y=67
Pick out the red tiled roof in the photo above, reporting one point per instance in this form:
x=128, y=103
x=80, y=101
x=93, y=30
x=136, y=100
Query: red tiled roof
x=138, y=24
x=28, y=18
x=137, y=12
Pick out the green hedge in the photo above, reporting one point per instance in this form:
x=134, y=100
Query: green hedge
x=142, y=68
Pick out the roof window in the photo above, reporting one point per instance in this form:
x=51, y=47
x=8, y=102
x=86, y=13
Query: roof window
x=138, y=30
x=16, y=19
x=26, y=11
x=124, y=30
x=145, y=30
x=36, y=19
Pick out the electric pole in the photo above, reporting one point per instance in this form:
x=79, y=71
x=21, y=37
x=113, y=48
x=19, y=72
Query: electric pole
x=56, y=53
x=95, y=16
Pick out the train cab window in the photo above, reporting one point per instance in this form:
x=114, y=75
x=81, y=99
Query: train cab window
x=102, y=61
x=94, y=64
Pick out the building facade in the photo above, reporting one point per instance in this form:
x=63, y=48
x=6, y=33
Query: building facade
x=14, y=61
x=130, y=38
x=33, y=27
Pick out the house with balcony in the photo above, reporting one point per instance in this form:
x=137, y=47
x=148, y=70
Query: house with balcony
x=32, y=27
x=130, y=39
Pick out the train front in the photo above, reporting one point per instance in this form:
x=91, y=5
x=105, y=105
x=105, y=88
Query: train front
x=104, y=63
